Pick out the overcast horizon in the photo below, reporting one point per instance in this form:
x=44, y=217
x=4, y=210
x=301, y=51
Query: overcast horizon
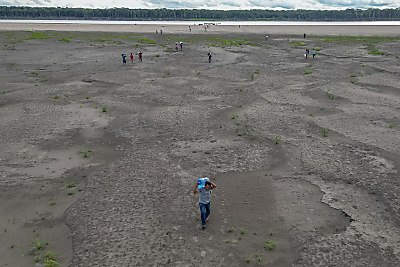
x=211, y=4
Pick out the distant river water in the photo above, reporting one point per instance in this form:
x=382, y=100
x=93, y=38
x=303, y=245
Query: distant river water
x=222, y=23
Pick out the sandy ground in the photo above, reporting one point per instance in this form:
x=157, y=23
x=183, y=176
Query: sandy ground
x=99, y=159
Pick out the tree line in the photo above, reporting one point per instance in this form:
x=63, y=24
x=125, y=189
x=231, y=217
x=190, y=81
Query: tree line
x=197, y=14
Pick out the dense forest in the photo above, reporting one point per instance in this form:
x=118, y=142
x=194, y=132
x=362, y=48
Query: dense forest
x=197, y=14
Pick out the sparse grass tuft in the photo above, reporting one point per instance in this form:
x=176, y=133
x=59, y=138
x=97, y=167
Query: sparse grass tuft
x=269, y=244
x=71, y=185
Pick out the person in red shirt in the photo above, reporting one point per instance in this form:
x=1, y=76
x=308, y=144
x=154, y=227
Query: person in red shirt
x=131, y=58
x=140, y=55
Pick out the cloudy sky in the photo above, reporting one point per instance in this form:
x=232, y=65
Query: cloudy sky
x=211, y=4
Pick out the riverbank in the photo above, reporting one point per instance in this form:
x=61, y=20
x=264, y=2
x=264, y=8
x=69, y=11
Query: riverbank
x=311, y=30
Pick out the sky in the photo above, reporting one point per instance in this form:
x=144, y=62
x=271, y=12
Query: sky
x=211, y=4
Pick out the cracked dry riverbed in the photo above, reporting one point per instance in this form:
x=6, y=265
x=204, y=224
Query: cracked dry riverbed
x=99, y=160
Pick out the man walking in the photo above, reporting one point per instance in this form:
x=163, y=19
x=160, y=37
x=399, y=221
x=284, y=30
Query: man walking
x=204, y=201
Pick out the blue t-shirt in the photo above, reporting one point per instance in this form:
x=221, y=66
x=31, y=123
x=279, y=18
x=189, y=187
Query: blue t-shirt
x=204, y=195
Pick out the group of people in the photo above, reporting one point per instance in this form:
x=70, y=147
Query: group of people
x=140, y=54
x=314, y=53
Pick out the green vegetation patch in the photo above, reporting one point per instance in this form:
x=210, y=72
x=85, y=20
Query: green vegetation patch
x=218, y=41
x=146, y=41
x=37, y=35
x=293, y=43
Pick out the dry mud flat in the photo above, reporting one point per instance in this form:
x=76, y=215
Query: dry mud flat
x=99, y=160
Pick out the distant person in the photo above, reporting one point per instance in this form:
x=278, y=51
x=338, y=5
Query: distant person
x=161, y=31
x=156, y=32
x=131, y=58
x=266, y=38
x=307, y=52
x=209, y=57
x=176, y=46
x=123, y=58
x=314, y=53
x=140, y=54
x=168, y=40
x=304, y=35
x=181, y=44
x=190, y=29
x=239, y=26
x=204, y=201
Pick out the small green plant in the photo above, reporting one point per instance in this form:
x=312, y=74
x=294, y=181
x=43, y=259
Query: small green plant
x=380, y=70
x=157, y=55
x=259, y=258
x=5, y=230
x=257, y=72
x=50, y=255
x=12, y=246
x=269, y=244
x=239, y=236
x=84, y=153
x=51, y=263
x=71, y=185
x=353, y=75
x=56, y=96
x=249, y=258
x=390, y=126
x=87, y=97
x=324, y=132
x=230, y=229
x=104, y=109
x=362, y=65
x=352, y=81
x=4, y=92
x=53, y=203
x=277, y=140
x=374, y=192
x=271, y=232
x=198, y=73
x=242, y=231
x=95, y=107
x=39, y=245
x=312, y=115
x=307, y=72
x=332, y=96
x=207, y=152
x=252, y=76
x=234, y=116
x=70, y=193
x=227, y=241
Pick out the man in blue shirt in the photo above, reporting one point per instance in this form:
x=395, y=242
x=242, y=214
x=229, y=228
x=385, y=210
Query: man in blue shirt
x=204, y=201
